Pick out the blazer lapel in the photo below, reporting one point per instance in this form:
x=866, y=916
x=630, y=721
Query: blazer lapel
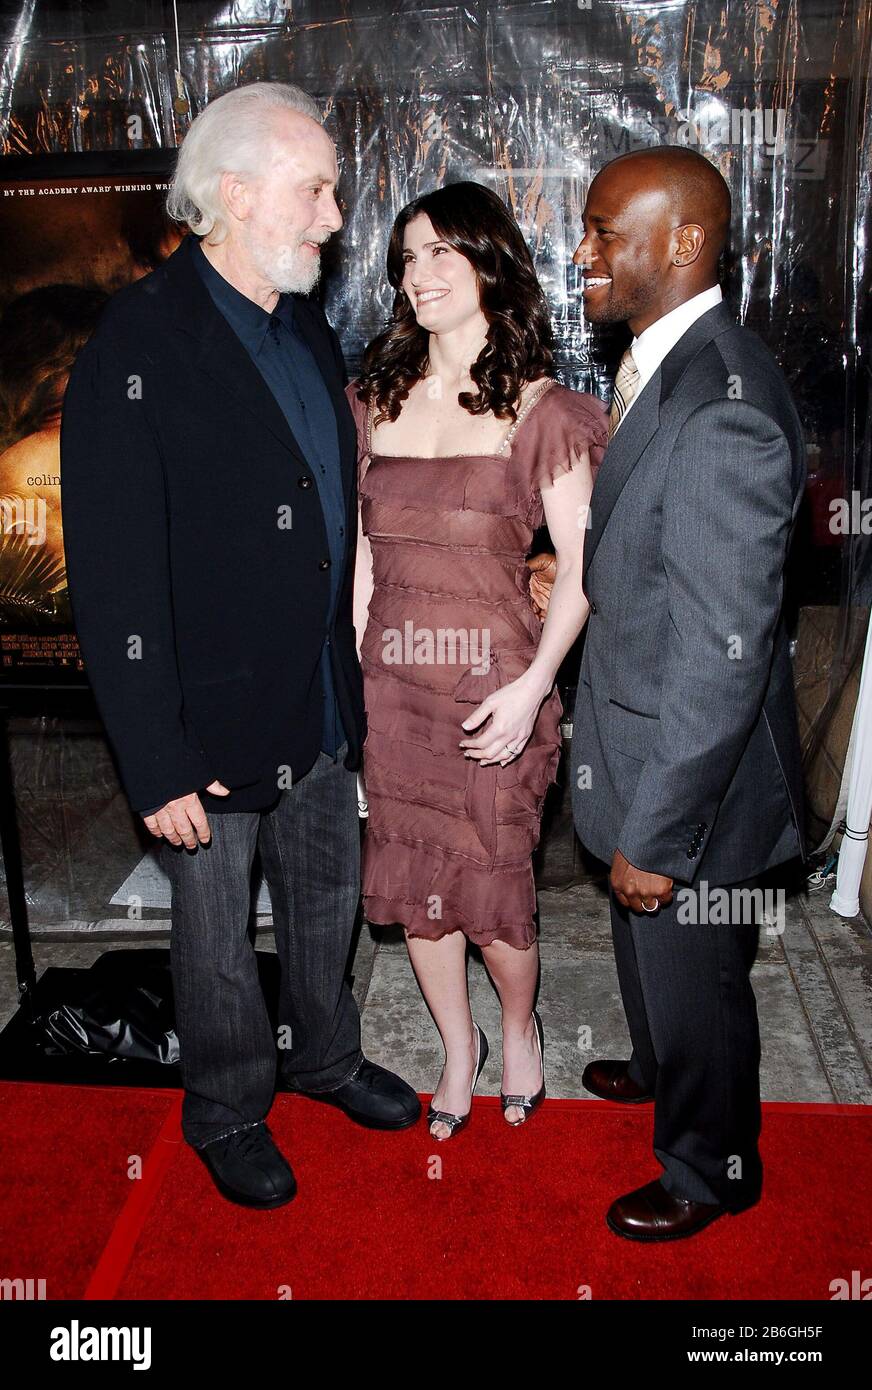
x=714, y=321
x=643, y=421
x=223, y=356
x=218, y=351
x=623, y=453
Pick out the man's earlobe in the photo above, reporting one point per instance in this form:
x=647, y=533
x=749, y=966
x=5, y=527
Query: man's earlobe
x=691, y=240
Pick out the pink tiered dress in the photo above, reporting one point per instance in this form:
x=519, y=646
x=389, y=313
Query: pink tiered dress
x=449, y=844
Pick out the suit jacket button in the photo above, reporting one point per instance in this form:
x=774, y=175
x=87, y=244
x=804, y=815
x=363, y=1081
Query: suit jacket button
x=592, y=606
x=304, y=481
x=323, y=564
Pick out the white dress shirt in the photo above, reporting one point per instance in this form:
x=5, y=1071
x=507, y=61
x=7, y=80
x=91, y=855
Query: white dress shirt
x=660, y=337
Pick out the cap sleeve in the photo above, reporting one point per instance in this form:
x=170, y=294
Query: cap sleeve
x=359, y=411
x=564, y=426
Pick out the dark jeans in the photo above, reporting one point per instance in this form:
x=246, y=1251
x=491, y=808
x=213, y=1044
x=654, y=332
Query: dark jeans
x=310, y=850
x=692, y=1015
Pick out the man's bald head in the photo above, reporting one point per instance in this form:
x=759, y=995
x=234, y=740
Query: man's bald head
x=656, y=222
x=693, y=188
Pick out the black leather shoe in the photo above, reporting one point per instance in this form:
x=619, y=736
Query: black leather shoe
x=248, y=1169
x=651, y=1213
x=374, y=1098
x=610, y=1081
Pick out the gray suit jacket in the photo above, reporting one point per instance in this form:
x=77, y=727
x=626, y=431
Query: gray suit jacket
x=685, y=745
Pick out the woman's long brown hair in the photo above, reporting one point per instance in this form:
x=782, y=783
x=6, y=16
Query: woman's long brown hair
x=520, y=339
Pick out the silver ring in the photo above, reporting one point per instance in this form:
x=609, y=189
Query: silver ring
x=510, y=750
x=651, y=909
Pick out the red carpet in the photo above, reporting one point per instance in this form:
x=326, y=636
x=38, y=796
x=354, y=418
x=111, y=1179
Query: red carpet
x=515, y=1213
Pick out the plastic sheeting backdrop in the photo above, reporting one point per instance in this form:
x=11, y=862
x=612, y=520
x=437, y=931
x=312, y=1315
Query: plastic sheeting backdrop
x=530, y=99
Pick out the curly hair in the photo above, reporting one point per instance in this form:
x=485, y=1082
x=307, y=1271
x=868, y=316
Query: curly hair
x=520, y=339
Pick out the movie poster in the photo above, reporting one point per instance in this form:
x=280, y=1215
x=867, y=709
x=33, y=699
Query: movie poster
x=69, y=240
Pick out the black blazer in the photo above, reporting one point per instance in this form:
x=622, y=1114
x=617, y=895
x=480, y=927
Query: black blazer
x=196, y=549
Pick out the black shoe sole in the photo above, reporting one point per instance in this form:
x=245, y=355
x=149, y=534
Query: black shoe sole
x=238, y=1198
x=617, y=1100
x=657, y=1240
x=366, y=1121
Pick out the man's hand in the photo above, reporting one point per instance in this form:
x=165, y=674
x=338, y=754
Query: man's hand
x=635, y=888
x=543, y=572
x=183, y=820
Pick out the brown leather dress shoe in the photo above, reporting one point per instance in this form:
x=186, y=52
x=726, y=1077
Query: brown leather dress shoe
x=652, y=1213
x=610, y=1081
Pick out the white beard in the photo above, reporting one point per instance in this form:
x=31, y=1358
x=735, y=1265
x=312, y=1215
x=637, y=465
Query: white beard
x=288, y=268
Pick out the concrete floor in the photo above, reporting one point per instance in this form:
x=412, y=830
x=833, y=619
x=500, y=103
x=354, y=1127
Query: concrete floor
x=85, y=854
x=813, y=985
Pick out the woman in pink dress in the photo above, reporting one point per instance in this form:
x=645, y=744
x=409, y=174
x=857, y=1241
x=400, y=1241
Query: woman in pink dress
x=466, y=444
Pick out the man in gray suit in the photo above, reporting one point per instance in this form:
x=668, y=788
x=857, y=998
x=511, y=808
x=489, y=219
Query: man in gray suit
x=686, y=764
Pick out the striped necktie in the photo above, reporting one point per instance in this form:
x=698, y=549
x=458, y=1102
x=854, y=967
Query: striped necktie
x=626, y=386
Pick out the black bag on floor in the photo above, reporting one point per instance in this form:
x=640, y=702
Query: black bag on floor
x=126, y=1009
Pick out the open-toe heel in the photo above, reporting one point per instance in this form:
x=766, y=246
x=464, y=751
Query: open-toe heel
x=456, y=1123
x=528, y=1103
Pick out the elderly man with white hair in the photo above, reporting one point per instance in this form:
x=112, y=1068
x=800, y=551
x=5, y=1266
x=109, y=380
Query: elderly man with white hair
x=210, y=521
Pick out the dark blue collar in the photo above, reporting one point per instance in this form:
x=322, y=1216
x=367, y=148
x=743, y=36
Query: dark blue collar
x=248, y=319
